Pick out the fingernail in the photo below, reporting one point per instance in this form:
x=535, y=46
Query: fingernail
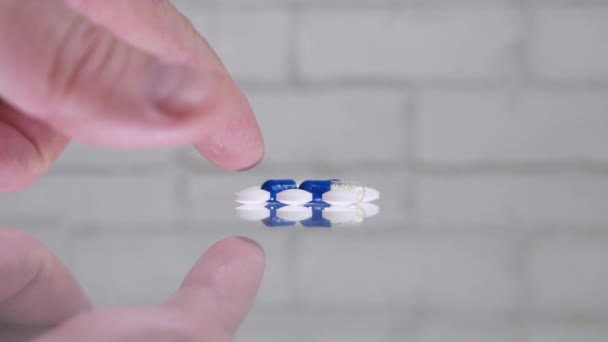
x=178, y=89
x=250, y=241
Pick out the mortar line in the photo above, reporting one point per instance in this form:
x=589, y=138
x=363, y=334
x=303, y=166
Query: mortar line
x=411, y=182
x=294, y=16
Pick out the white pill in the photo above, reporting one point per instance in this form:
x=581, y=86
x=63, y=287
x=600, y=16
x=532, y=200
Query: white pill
x=252, y=212
x=370, y=209
x=371, y=195
x=340, y=197
x=253, y=196
x=340, y=214
x=294, y=197
x=294, y=213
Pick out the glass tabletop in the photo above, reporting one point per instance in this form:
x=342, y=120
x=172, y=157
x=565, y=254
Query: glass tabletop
x=440, y=257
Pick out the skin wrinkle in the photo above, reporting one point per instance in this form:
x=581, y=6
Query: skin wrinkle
x=90, y=42
x=40, y=267
x=56, y=61
x=43, y=162
x=39, y=145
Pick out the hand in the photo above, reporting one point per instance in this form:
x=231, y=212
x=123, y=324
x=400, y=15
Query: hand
x=113, y=73
x=36, y=291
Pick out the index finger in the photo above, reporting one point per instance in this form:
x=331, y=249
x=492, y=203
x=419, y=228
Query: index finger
x=223, y=284
x=36, y=289
x=158, y=27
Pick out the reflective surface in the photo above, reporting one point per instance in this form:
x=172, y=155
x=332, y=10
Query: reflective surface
x=429, y=266
x=314, y=215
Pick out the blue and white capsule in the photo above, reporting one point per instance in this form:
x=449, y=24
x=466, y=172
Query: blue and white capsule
x=287, y=191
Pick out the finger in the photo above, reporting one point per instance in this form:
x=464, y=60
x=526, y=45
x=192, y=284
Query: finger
x=223, y=284
x=36, y=289
x=156, y=26
x=12, y=333
x=132, y=325
x=209, y=306
x=28, y=147
x=97, y=89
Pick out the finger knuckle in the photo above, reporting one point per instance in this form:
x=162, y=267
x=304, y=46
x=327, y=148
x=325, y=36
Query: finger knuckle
x=83, y=52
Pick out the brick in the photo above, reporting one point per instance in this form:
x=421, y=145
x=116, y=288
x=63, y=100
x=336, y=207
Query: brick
x=569, y=43
x=406, y=44
x=569, y=274
x=567, y=3
x=320, y=327
x=332, y=126
x=254, y=45
x=211, y=198
x=193, y=5
x=367, y=272
x=84, y=199
x=514, y=201
x=568, y=332
x=82, y=156
x=366, y=4
x=118, y=269
x=467, y=274
x=348, y=4
x=540, y=126
x=469, y=330
x=444, y=274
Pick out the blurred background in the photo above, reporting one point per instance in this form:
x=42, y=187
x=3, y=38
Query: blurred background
x=484, y=124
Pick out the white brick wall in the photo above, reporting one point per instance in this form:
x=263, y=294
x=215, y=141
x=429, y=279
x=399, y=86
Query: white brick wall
x=352, y=327
x=560, y=332
x=570, y=43
x=332, y=125
x=492, y=126
x=512, y=201
x=406, y=44
x=569, y=274
x=466, y=274
x=453, y=274
x=96, y=199
x=471, y=330
x=483, y=123
x=338, y=271
x=253, y=44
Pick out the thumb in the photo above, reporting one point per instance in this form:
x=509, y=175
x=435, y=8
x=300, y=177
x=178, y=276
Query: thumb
x=61, y=68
